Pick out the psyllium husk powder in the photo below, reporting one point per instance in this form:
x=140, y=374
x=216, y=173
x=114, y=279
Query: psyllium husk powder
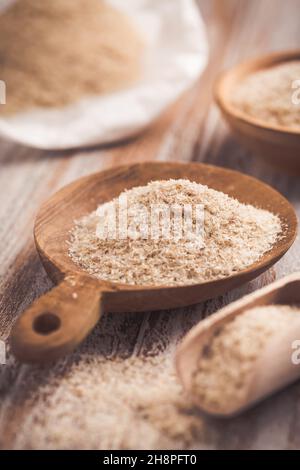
x=235, y=235
x=56, y=52
x=271, y=95
x=225, y=365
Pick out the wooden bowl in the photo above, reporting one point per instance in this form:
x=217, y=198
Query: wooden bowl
x=275, y=144
x=58, y=321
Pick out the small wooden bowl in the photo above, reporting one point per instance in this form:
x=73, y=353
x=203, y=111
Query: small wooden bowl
x=277, y=145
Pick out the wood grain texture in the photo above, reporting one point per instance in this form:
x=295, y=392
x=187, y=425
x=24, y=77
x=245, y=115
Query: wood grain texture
x=191, y=130
x=56, y=323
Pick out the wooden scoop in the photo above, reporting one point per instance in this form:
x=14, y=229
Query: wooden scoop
x=274, y=368
x=58, y=321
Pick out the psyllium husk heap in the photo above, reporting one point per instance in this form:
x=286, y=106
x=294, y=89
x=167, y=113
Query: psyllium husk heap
x=56, y=52
x=235, y=235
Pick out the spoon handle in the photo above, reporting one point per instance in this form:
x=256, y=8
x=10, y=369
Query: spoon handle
x=58, y=321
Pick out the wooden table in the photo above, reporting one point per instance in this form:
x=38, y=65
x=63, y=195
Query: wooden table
x=191, y=130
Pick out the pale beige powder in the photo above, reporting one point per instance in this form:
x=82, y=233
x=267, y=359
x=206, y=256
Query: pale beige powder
x=225, y=365
x=55, y=52
x=268, y=95
x=235, y=236
x=98, y=403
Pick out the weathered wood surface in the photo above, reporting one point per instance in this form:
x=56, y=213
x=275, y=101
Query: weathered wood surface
x=191, y=130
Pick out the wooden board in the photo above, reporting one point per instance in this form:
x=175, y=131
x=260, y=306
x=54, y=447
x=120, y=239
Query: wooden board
x=191, y=130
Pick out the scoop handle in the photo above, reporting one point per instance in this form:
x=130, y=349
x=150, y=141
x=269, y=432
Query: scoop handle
x=58, y=321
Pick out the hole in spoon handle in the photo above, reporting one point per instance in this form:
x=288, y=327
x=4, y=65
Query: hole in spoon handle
x=58, y=321
x=46, y=323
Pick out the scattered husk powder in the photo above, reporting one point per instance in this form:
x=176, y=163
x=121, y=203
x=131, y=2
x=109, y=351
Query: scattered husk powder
x=55, y=52
x=235, y=236
x=267, y=95
x=105, y=395
x=224, y=367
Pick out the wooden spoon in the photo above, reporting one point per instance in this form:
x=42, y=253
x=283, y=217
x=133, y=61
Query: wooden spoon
x=58, y=321
x=273, y=369
x=277, y=145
